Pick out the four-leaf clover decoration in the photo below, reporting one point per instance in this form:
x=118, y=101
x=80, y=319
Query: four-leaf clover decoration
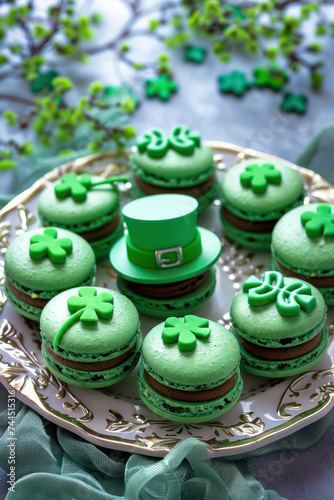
x=195, y=54
x=88, y=306
x=49, y=245
x=163, y=87
x=289, y=298
x=185, y=332
x=234, y=83
x=156, y=142
x=257, y=177
x=293, y=103
x=318, y=223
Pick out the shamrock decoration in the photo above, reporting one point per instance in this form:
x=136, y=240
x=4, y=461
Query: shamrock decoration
x=293, y=103
x=48, y=245
x=43, y=82
x=289, y=299
x=257, y=177
x=318, y=223
x=195, y=54
x=234, y=83
x=77, y=186
x=156, y=142
x=88, y=306
x=163, y=87
x=273, y=77
x=185, y=332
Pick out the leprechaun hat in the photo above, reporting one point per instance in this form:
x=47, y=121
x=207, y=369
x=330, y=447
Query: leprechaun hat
x=164, y=243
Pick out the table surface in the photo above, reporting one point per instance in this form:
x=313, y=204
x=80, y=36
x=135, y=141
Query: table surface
x=253, y=121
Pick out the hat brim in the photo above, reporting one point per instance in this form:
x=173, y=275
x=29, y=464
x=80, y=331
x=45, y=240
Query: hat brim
x=211, y=248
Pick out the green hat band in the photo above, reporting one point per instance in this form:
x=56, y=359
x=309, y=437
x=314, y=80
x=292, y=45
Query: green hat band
x=166, y=258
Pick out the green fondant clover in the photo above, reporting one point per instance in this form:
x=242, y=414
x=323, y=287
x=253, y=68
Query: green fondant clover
x=77, y=185
x=234, y=83
x=156, y=142
x=289, y=298
x=88, y=306
x=49, y=245
x=185, y=332
x=44, y=81
x=257, y=177
x=293, y=103
x=195, y=54
x=163, y=87
x=318, y=223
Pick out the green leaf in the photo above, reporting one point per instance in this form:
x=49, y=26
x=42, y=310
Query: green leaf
x=315, y=47
x=95, y=88
x=316, y=80
x=153, y=24
x=10, y=117
x=3, y=59
x=96, y=18
x=321, y=30
x=40, y=32
x=61, y=85
x=125, y=47
x=7, y=164
x=128, y=105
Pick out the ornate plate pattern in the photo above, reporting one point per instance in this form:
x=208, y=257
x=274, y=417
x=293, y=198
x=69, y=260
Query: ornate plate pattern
x=115, y=417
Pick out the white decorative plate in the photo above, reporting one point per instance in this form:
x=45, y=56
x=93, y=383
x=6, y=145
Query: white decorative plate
x=115, y=417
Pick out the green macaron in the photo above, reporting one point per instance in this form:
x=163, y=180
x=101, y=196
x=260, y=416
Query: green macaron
x=86, y=205
x=280, y=324
x=41, y=263
x=91, y=336
x=189, y=370
x=176, y=163
x=255, y=194
x=303, y=246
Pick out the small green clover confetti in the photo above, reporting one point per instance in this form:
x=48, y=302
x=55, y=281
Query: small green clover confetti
x=185, y=332
x=49, y=245
x=77, y=186
x=273, y=77
x=163, y=87
x=43, y=82
x=318, y=223
x=156, y=142
x=257, y=177
x=293, y=103
x=194, y=54
x=234, y=83
x=289, y=298
x=88, y=306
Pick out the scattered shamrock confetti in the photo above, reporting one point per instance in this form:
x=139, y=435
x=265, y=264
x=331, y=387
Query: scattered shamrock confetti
x=88, y=306
x=293, y=103
x=257, y=177
x=49, y=245
x=185, y=332
x=273, y=77
x=163, y=87
x=43, y=82
x=234, y=83
x=195, y=54
x=289, y=298
x=318, y=223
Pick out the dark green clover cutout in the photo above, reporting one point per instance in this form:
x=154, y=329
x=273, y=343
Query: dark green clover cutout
x=49, y=245
x=156, y=142
x=185, y=332
x=44, y=81
x=234, y=83
x=289, y=298
x=88, y=306
x=318, y=223
x=272, y=77
x=195, y=54
x=257, y=177
x=77, y=186
x=293, y=103
x=163, y=87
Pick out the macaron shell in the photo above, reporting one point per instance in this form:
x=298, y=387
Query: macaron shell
x=174, y=167
x=252, y=240
x=245, y=203
x=100, y=201
x=177, y=307
x=267, y=324
x=179, y=411
x=296, y=250
x=103, y=336
x=36, y=274
x=213, y=360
